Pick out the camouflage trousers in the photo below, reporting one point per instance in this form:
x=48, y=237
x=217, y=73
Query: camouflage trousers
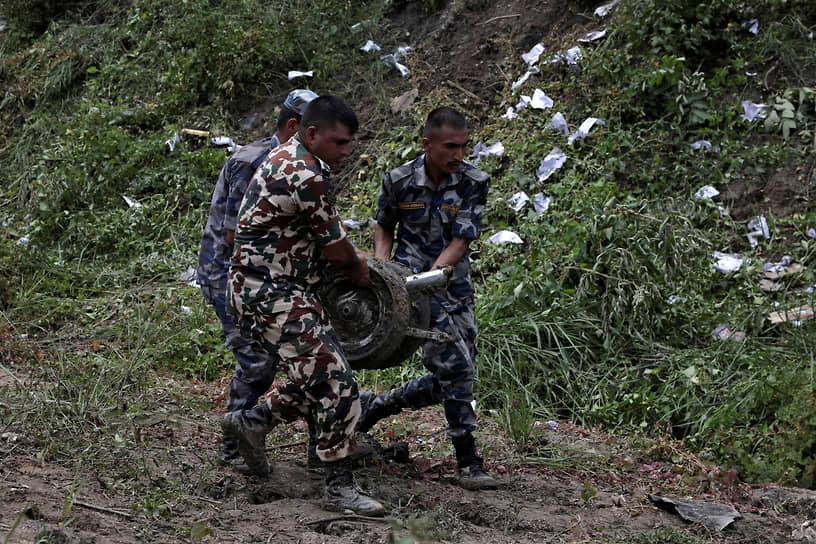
x=320, y=386
x=254, y=368
x=451, y=364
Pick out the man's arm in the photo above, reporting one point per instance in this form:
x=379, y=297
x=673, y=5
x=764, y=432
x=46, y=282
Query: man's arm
x=383, y=242
x=452, y=254
x=343, y=255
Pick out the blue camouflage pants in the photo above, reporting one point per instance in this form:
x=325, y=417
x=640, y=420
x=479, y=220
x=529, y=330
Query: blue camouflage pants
x=254, y=368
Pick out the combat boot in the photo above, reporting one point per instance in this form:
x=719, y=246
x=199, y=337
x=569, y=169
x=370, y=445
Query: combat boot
x=416, y=394
x=470, y=473
x=248, y=428
x=341, y=494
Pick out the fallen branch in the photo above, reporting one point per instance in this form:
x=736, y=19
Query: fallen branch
x=349, y=517
x=103, y=509
x=462, y=89
x=500, y=17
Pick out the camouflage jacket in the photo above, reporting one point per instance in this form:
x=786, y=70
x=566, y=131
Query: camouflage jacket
x=286, y=219
x=216, y=251
x=430, y=217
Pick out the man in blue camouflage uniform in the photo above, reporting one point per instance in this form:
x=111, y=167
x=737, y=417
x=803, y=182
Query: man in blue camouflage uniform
x=254, y=370
x=437, y=200
x=288, y=232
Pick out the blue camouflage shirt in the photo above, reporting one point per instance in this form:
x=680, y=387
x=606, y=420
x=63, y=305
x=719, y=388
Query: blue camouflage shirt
x=430, y=217
x=216, y=251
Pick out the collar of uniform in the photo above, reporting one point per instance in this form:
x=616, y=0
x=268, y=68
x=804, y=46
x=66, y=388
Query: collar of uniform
x=324, y=168
x=421, y=176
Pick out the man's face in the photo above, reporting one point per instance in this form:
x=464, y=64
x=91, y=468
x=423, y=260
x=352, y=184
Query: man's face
x=445, y=149
x=331, y=144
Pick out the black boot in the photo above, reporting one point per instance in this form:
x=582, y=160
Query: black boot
x=341, y=494
x=248, y=428
x=470, y=473
x=416, y=394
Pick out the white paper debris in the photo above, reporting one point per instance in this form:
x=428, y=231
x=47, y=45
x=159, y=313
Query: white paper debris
x=531, y=57
x=602, y=11
x=361, y=225
x=812, y=232
x=751, y=74
x=541, y=203
x=758, y=228
x=571, y=55
x=753, y=111
x=727, y=262
x=523, y=79
x=505, y=237
x=232, y=147
x=524, y=101
x=552, y=162
x=392, y=60
x=676, y=299
x=541, y=101
x=132, y=203
x=23, y=241
x=186, y=310
x=592, y=36
x=295, y=73
x=558, y=123
x=356, y=27
x=583, y=130
x=481, y=151
x=517, y=201
x=706, y=192
x=171, y=143
x=777, y=267
x=190, y=277
x=752, y=25
x=511, y=114
x=370, y=46
x=701, y=144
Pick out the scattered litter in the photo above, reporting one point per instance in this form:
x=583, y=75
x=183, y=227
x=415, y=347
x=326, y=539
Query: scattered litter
x=196, y=132
x=777, y=268
x=706, y=192
x=353, y=224
x=795, y=316
x=132, y=203
x=805, y=533
x=190, y=277
x=481, y=151
x=518, y=200
x=392, y=60
x=552, y=162
x=811, y=233
x=752, y=25
x=171, y=143
x=523, y=79
x=541, y=101
x=701, y=144
x=751, y=74
x=592, y=36
x=753, y=111
x=186, y=310
x=572, y=56
x=712, y=515
x=676, y=299
x=724, y=332
x=356, y=27
x=727, y=262
x=758, y=227
x=10, y=437
x=541, y=203
x=505, y=237
x=24, y=240
x=559, y=123
x=531, y=57
x=295, y=73
x=404, y=101
x=602, y=11
x=370, y=46
x=723, y=211
x=511, y=114
x=583, y=130
x=232, y=147
x=524, y=101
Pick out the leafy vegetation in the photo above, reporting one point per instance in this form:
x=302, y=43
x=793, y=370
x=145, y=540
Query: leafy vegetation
x=603, y=316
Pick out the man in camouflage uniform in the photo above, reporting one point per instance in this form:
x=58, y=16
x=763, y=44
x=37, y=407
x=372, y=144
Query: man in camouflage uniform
x=254, y=370
x=438, y=201
x=288, y=231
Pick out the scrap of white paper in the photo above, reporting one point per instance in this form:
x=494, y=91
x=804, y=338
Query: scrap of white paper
x=520, y=81
x=354, y=224
x=592, y=36
x=370, y=46
x=541, y=203
x=171, y=143
x=132, y=203
x=541, y=101
x=752, y=25
x=778, y=267
x=295, y=73
x=524, y=101
x=554, y=160
x=559, y=123
x=727, y=262
x=232, y=147
x=571, y=55
x=602, y=11
x=518, y=200
x=511, y=114
x=753, y=111
x=23, y=241
x=751, y=74
x=811, y=232
x=706, y=192
x=758, y=227
x=505, y=237
x=583, y=130
x=393, y=60
x=481, y=151
x=186, y=310
x=532, y=56
x=701, y=144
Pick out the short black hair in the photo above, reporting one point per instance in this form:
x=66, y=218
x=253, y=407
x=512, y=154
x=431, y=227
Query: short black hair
x=328, y=110
x=444, y=116
x=286, y=114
